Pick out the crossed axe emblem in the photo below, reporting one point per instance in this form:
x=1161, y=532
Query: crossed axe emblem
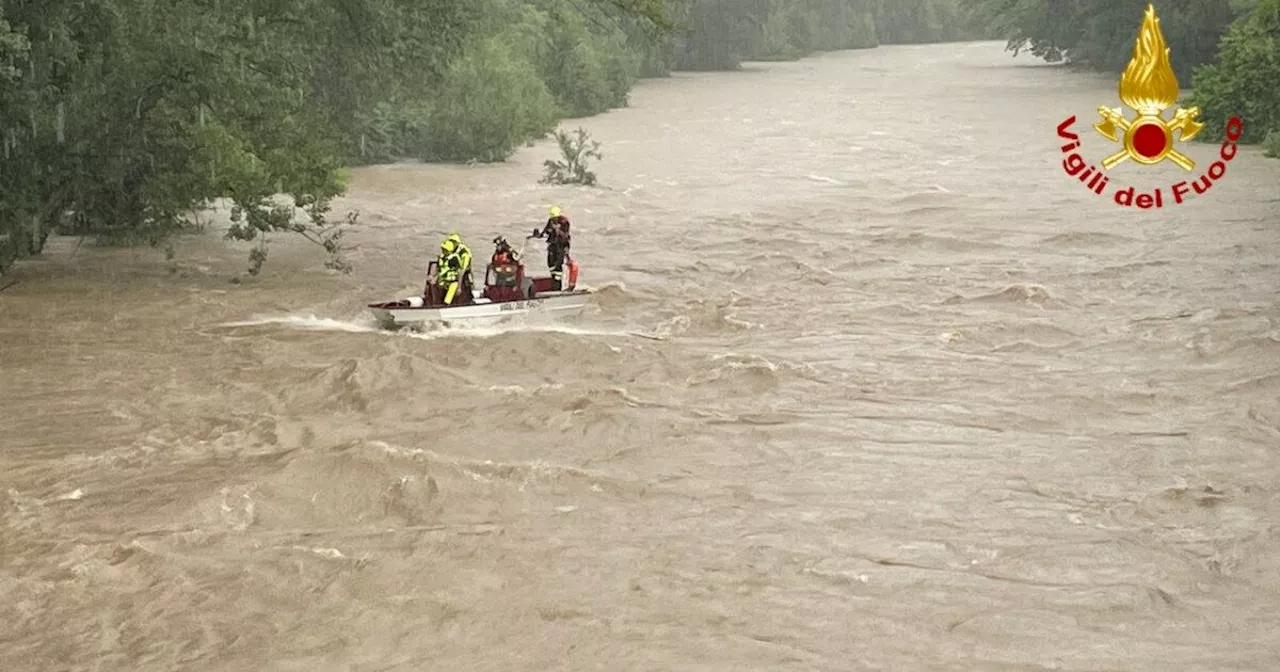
x=1115, y=126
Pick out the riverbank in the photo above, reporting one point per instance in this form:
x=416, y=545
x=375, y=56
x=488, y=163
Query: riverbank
x=132, y=134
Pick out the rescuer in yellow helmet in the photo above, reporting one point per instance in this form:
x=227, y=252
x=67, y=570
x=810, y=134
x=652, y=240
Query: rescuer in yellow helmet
x=556, y=231
x=454, y=267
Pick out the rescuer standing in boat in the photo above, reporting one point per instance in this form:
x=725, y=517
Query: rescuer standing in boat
x=556, y=232
x=453, y=267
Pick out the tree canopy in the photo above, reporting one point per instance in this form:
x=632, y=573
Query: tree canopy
x=118, y=118
x=1100, y=33
x=1245, y=79
x=1227, y=52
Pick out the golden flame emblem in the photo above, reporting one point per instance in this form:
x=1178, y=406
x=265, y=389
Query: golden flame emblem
x=1149, y=87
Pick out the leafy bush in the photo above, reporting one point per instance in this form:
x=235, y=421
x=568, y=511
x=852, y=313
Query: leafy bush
x=1245, y=81
x=587, y=71
x=925, y=21
x=1100, y=33
x=1271, y=144
x=574, y=150
x=491, y=101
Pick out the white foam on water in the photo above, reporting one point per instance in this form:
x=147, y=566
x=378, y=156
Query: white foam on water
x=306, y=322
x=315, y=323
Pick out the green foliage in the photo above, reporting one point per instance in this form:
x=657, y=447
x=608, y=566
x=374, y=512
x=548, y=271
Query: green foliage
x=588, y=71
x=1271, y=144
x=489, y=104
x=1228, y=52
x=121, y=118
x=529, y=64
x=657, y=13
x=1100, y=33
x=127, y=116
x=1245, y=81
x=575, y=149
x=928, y=21
x=719, y=34
x=795, y=28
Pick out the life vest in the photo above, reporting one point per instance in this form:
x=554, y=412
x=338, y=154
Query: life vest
x=504, y=270
x=557, y=231
x=464, y=258
x=450, y=265
x=454, y=260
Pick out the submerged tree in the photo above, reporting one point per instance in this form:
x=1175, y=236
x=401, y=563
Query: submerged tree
x=575, y=149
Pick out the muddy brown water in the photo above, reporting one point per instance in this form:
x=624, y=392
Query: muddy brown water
x=870, y=385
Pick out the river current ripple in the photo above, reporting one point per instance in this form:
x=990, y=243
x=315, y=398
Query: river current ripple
x=871, y=384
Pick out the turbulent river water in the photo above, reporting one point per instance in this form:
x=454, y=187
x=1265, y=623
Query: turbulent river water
x=870, y=384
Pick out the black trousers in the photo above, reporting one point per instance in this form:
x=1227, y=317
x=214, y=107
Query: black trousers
x=555, y=261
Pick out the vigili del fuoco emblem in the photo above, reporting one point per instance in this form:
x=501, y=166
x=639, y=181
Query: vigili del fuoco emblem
x=1149, y=88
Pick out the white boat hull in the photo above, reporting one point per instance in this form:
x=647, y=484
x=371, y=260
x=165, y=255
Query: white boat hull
x=484, y=311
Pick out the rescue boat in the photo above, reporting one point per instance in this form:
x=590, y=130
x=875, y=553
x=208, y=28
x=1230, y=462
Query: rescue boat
x=508, y=292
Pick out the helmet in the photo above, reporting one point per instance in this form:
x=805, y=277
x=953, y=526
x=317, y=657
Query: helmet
x=555, y=211
x=448, y=246
x=454, y=238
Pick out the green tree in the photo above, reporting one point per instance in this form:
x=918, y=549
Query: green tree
x=926, y=21
x=1100, y=33
x=1245, y=80
x=124, y=116
x=489, y=104
x=119, y=118
x=1228, y=52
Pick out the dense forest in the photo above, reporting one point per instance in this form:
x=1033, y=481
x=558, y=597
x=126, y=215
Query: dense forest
x=1227, y=52
x=120, y=117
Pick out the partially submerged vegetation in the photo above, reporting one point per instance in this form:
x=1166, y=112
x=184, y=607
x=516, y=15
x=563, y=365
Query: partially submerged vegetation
x=575, y=151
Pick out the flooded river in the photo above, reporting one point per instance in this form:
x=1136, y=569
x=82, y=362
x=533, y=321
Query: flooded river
x=871, y=384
